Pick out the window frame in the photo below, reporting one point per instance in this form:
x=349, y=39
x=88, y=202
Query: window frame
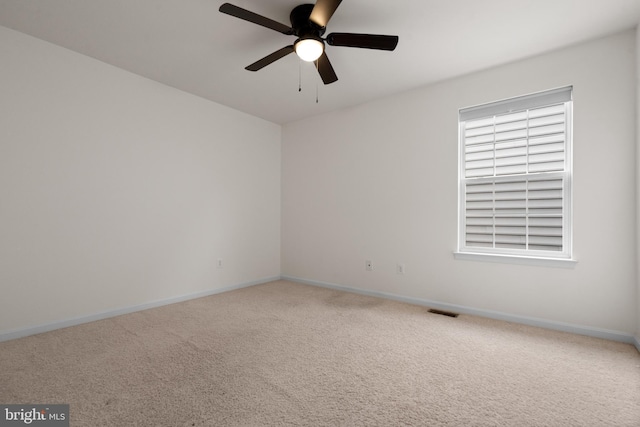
x=526, y=256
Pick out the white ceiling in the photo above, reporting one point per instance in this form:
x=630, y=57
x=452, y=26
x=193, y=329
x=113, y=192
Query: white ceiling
x=189, y=45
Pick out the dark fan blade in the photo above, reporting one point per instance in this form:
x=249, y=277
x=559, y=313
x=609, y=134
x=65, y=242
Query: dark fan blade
x=325, y=69
x=367, y=41
x=241, y=13
x=270, y=58
x=323, y=10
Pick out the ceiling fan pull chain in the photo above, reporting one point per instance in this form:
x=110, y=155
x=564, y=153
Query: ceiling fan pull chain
x=300, y=75
x=318, y=69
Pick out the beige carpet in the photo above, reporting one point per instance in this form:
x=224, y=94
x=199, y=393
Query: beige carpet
x=295, y=355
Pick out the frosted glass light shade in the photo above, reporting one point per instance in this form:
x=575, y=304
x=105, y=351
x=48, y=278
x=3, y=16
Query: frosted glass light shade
x=309, y=49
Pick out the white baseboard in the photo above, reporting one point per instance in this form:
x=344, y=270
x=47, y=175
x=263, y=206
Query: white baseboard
x=19, y=333
x=541, y=323
x=547, y=324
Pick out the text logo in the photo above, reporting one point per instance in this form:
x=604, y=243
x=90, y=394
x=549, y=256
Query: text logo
x=34, y=415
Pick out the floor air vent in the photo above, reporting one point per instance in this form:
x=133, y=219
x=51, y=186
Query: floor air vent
x=442, y=312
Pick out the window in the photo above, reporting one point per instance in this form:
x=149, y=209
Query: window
x=515, y=176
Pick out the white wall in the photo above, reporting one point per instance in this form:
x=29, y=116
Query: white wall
x=117, y=191
x=379, y=182
x=638, y=181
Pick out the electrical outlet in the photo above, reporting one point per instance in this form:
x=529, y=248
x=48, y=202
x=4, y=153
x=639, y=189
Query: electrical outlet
x=219, y=262
x=400, y=269
x=368, y=265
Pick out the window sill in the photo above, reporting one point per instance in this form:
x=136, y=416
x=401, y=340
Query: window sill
x=521, y=260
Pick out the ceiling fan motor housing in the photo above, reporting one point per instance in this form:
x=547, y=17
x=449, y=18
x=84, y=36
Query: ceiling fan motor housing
x=303, y=27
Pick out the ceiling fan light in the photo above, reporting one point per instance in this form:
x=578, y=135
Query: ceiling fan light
x=309, y=49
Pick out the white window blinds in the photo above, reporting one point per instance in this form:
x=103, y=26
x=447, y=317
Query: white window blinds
x=515, y=176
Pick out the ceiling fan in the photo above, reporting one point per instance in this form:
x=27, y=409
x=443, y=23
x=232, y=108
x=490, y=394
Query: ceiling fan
x=308, y=23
